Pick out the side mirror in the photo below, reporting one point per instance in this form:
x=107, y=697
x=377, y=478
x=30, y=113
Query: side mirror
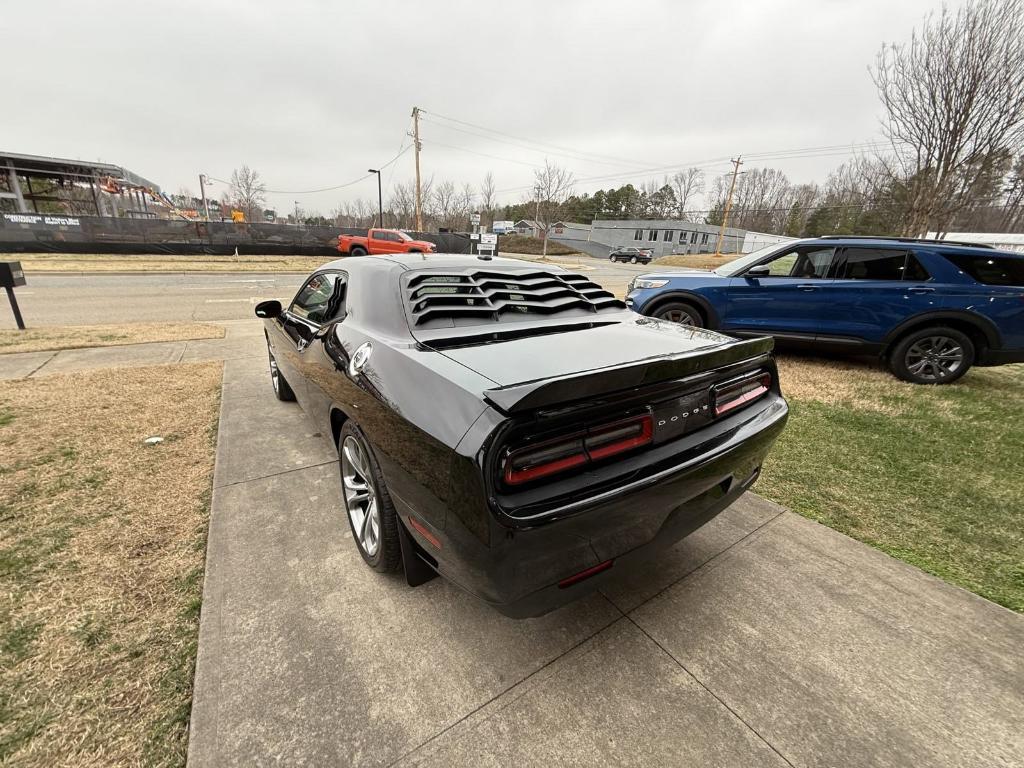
x=268, y=309
x=761, y=270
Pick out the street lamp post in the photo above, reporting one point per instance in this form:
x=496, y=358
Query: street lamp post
x=296, y=213
x=380, y=199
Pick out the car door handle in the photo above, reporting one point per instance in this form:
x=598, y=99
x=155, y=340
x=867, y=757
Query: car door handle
x=807, y=287
x=921, y=289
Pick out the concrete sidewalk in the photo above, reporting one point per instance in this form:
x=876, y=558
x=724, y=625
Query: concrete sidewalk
x=241, y=339
x=762, y=639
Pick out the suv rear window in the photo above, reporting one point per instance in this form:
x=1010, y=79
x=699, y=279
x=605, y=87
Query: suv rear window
x=991, y=270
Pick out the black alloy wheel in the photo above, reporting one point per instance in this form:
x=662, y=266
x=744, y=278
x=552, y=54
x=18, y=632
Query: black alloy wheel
x=680, y=312
x=937, y=355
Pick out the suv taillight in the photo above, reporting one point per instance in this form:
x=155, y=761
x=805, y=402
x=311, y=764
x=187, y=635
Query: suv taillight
x=731, y=395
x=600, y=442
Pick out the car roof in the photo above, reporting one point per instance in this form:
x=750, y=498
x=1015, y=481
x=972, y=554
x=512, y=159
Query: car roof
x=946, y=246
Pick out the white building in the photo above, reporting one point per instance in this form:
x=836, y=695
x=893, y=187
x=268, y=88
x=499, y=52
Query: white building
x=754, y=240
x=1002, y=241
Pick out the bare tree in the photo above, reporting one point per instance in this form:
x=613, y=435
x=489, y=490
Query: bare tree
x=248, y=192
x=464, y=204
x=686, y=184
x=487, y=198
x=954, y=101
x=403, y=204
x=444, y=203
x=759, y=200
x=553, y=186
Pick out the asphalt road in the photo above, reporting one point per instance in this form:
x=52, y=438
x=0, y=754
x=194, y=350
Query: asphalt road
x=144, y=298
x=92, y=299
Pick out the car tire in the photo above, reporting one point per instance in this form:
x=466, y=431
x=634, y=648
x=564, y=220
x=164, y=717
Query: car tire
x=282, y=391
x=371, y=515
x=633, y=260
x=680, y=312
x=357, y=251
x=611, y=257
x=935, y=355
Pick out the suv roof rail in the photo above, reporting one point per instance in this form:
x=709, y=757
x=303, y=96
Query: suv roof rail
x=905, y=240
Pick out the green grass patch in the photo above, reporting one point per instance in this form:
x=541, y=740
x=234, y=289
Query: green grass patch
x=930, y=475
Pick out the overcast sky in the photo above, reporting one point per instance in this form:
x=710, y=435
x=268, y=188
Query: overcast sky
x=311, y=94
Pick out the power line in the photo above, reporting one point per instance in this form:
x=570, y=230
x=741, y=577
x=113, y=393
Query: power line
x=780, y=155
x=323, y=189
x=481, y=154
x=546, y=152
x=540, y=143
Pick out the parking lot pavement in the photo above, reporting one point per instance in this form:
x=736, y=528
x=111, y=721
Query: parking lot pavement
x=762, y=639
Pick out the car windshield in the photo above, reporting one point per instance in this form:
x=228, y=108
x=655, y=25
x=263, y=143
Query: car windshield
x=736, y=266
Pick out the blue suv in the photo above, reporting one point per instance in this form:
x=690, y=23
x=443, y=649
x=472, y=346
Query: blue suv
x=931, y=309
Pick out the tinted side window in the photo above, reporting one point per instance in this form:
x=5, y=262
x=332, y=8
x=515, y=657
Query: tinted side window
x=313, y=302
x=873, y=264
x=380, y=235
x=808, y=264
x=915, y=271
x=991, y=270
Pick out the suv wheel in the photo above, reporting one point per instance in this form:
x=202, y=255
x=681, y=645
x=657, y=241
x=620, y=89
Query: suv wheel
x=938, y=355
x=611, y=257
x=632, y=260
x=679, y=312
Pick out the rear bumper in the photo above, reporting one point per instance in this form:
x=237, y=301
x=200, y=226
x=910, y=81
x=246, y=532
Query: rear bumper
x=1001, y=356
x=519, y=574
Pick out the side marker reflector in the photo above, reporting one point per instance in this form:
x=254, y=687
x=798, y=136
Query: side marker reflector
x=585, y=574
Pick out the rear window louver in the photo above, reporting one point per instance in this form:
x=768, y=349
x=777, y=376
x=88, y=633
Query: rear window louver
x=483, y=296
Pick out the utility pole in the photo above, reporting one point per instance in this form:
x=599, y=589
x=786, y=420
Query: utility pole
x=736, y=163
x=417, y=145
x=202, y=191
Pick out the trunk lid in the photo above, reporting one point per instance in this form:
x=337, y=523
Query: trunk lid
x=537, y=371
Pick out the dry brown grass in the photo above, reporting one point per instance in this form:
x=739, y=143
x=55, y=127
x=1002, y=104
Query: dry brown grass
x=834, y=381
x=101, y=262
x=695, y=260
x=102, y=554
x=78, y=336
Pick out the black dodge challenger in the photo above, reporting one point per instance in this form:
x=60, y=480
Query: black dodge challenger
x=513, y=426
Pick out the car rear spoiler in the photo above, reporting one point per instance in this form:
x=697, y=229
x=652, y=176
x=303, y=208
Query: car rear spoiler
x=588, y=384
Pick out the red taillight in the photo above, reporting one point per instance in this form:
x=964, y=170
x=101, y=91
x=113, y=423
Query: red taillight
x=732, y=395
x=600, y=442
x=533, y=463
x=620, y=437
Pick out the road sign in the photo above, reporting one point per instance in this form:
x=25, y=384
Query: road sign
x=474, y=236
x=488, y=239
x=474, y=219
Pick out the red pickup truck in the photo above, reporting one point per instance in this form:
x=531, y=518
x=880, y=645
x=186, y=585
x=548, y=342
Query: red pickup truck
x=382, y=241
